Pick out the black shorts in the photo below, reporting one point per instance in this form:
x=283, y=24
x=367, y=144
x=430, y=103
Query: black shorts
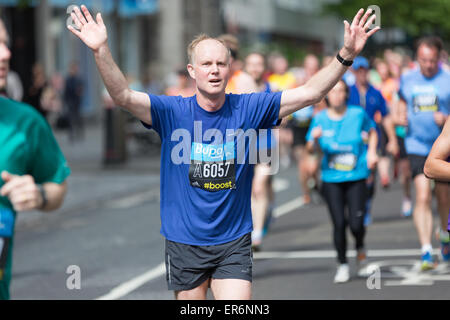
x=416, y=163
x=188, y=266
x=299, y=135
x=402, y=148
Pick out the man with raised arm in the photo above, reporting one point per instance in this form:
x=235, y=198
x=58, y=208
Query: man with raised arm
x=205, y=201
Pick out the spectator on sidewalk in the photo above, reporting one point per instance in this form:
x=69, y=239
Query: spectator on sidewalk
x=34, y=93
x=73, y=92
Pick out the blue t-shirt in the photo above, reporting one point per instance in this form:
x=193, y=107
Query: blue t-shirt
x=424, y=96
x=372, y=102
x=266, y=140
x=206, y=175
x=344, y=144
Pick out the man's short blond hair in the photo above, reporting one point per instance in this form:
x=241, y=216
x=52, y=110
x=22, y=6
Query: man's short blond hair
x=200, y=38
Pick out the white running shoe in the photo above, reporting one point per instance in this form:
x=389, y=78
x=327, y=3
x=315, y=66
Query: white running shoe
x=342, y=273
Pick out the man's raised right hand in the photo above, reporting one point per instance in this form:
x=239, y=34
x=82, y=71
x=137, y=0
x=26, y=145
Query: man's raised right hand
x=92, y=33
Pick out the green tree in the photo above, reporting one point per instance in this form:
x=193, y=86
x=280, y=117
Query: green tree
x=416, y=17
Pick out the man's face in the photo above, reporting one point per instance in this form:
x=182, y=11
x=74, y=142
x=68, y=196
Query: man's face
x=210, y=67
x=5, y=55
x=254, y=65
x=361, y=76
x=428, y=59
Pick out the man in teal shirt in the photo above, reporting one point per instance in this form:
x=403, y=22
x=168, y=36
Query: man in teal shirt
x=33, y=168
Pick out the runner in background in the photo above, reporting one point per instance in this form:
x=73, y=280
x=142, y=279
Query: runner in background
x=348, y=140
x=240, y=82
x=424, y=106
x=307, y=164
x=366, y=96
x=282, y=79
x=184, y=86
x=388, y=87
x=263, y=197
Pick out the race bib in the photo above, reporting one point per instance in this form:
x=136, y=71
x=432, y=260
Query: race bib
x=4, y=250
x=213, y=166
x=425, y=99
x=6, y=223
x=342, y=162
x=6, y=232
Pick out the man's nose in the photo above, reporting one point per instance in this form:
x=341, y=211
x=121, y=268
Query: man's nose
x=214, y=68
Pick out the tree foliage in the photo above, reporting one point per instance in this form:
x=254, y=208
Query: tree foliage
x=415, y=17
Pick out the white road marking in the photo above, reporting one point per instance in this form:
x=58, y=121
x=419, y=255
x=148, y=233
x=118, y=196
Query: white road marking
x=408, y=272
x=288, y=207
x=319, y=254
x=133, y=284
x=132, y=200
x=279, y=184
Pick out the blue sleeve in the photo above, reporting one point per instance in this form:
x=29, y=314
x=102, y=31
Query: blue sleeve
x=162, y=112
x=263, y=109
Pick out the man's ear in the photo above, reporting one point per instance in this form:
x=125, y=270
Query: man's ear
x=191, y=71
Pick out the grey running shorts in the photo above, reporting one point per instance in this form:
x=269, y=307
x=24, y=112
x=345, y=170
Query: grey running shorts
x=188, y=266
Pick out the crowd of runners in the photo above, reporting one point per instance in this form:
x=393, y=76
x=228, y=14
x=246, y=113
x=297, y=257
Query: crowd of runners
x=406, y=103
x=344, y=121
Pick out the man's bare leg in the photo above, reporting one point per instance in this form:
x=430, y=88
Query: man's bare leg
x=231, y=289
x=198, y=293
x=423, y=219
x=443, y=202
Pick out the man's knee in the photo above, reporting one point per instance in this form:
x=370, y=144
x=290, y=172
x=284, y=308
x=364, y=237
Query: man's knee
x=198, y=293
x=231, y=289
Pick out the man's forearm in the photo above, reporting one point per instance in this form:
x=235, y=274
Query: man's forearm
x=323, y=81
x=54, y=194
x=373, y=141
x=315, y=89
x=113, y=78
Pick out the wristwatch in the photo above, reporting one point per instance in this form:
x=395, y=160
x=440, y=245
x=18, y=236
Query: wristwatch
x=346, y=63
x=43, y=195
